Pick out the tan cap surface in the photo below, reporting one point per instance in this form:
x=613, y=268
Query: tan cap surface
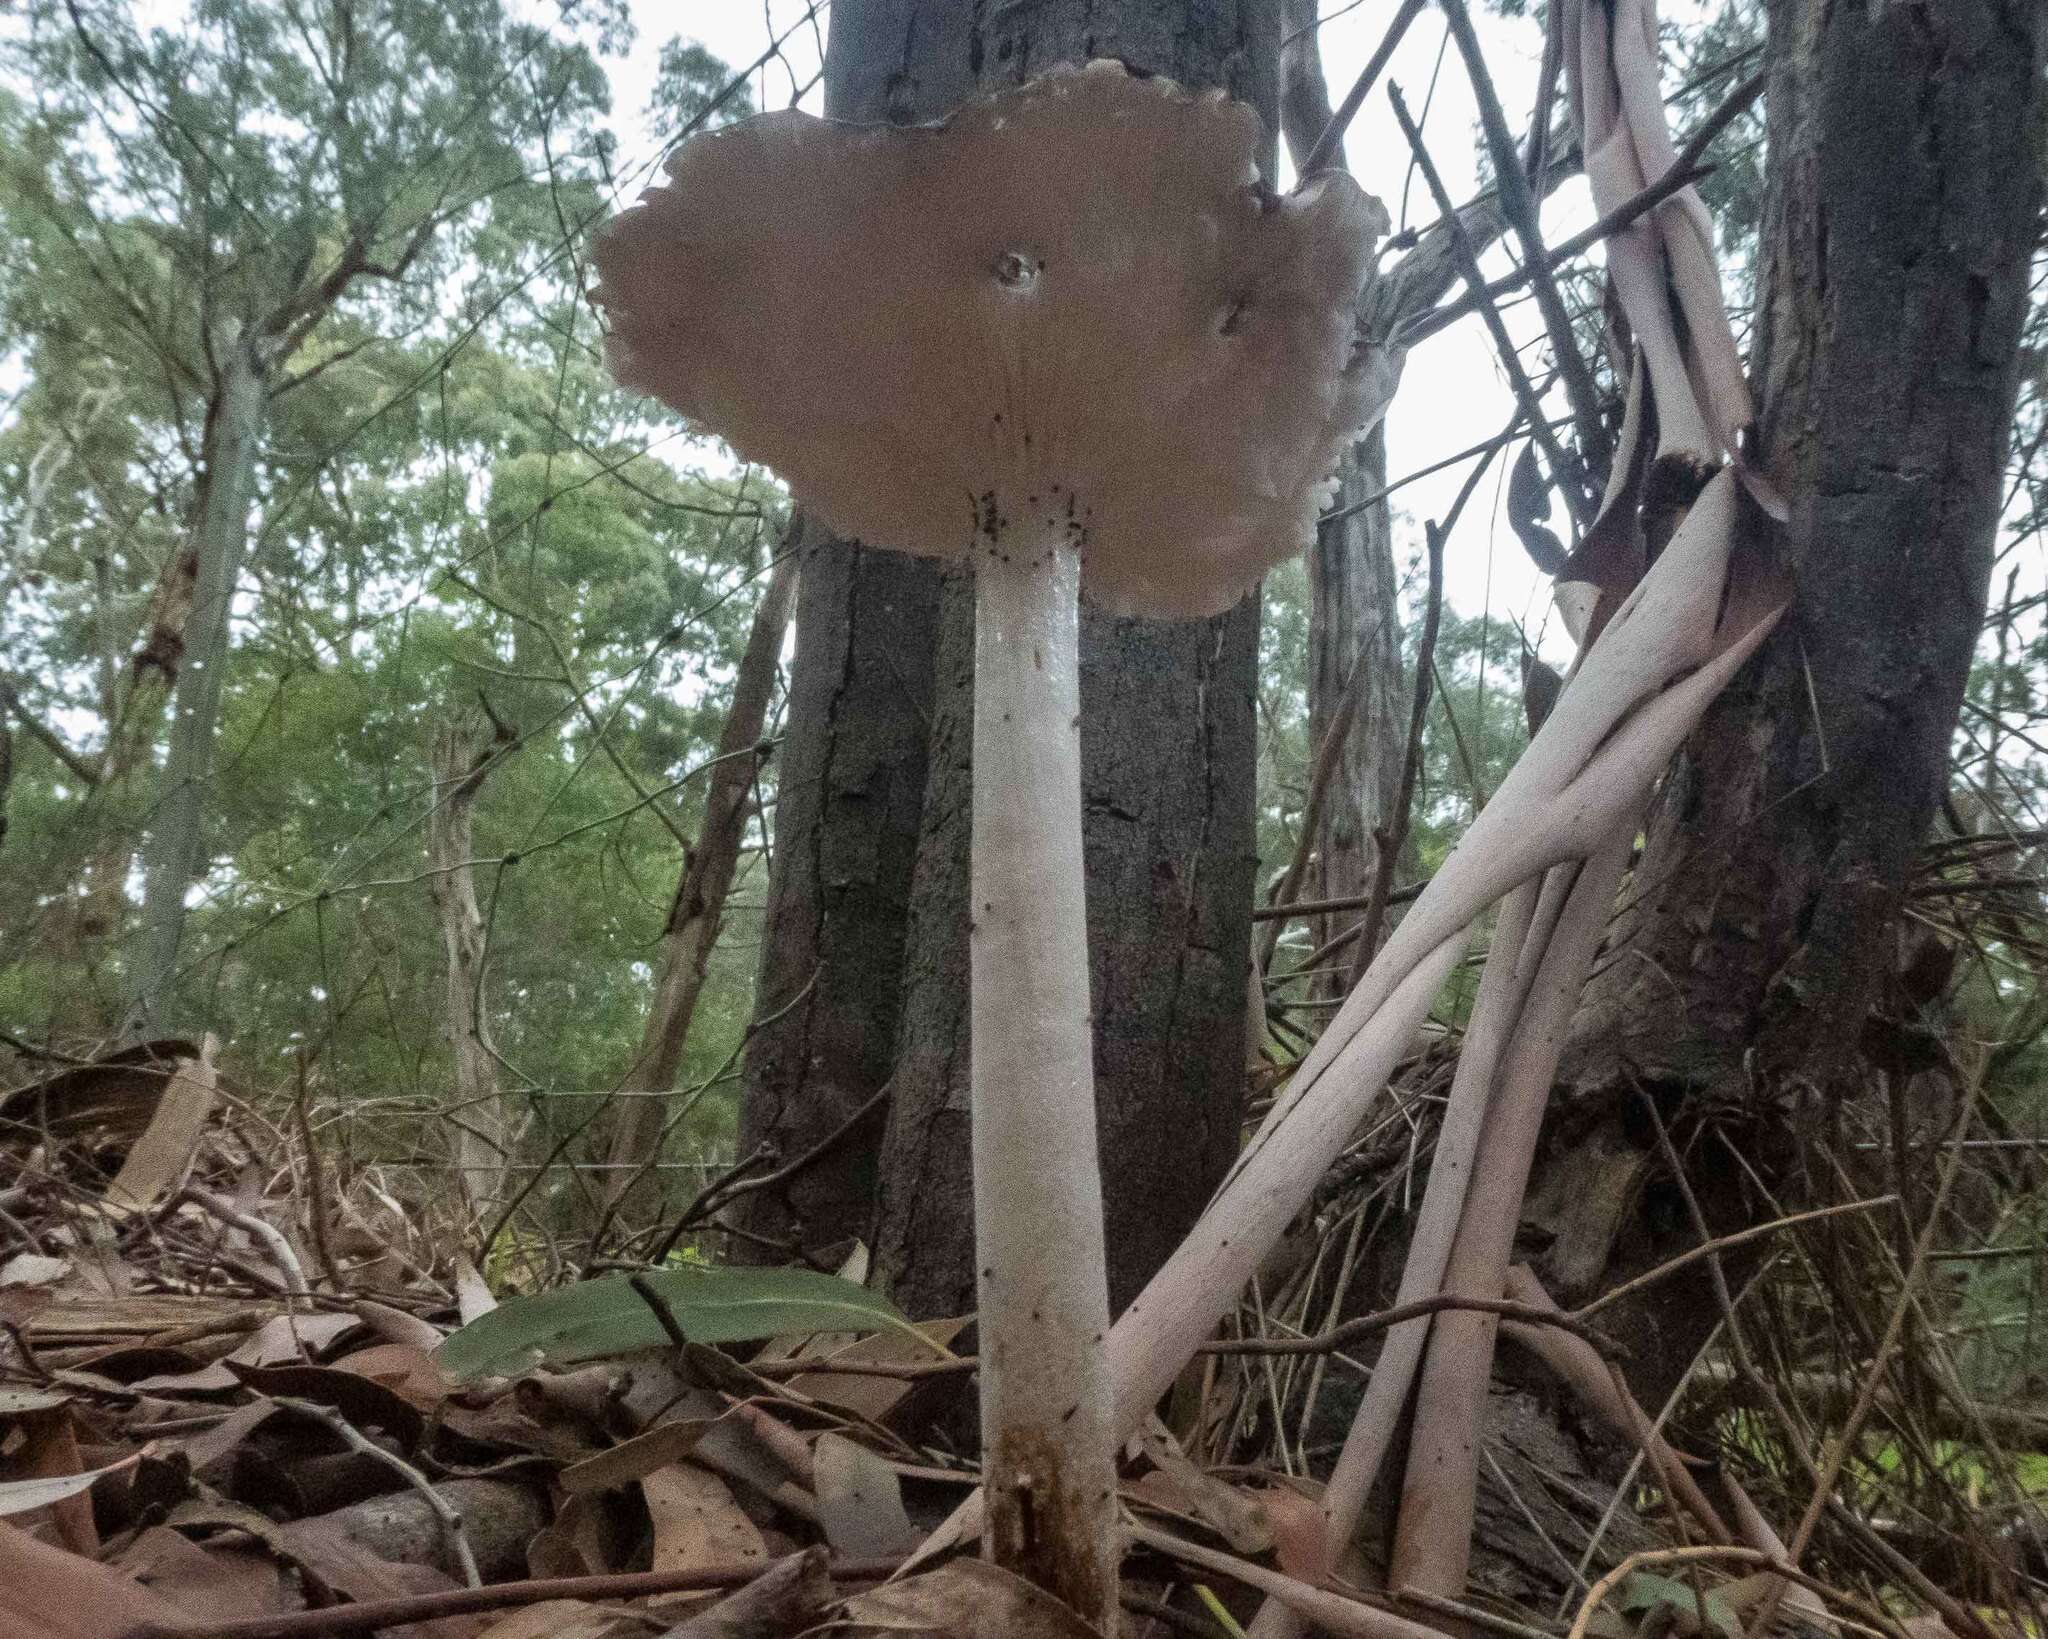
x=1069, y=303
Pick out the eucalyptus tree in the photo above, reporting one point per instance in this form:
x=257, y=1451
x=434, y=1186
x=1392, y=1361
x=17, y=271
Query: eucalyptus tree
x=220, y=209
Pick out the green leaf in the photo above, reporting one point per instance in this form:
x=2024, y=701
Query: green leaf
x=1649, y=1593
x=596, y=1318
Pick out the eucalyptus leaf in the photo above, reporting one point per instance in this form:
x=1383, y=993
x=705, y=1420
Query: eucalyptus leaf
x=1648, y=1593
x=597, y=1318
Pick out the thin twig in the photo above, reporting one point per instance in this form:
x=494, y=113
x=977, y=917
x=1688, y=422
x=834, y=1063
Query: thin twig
x=370, y=1615
x=1352, y=1331
x=1392, y=833
x=1475, y=281
x=1740, y=1237
x=1690, y=167
x=445, y=1511
x=274, y=1243
x=1332, y=137
x=1518, y=204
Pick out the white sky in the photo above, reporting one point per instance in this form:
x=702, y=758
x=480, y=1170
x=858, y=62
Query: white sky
x=1452, y=393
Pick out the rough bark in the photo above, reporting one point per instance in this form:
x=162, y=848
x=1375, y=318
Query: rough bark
x=1167, y=785
x=698, y=910
x=172, y=854
x=849, y=790
x=1903, y=190
x=479, y=1130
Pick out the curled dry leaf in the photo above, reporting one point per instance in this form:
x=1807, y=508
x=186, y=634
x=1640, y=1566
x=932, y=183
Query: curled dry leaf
x=46, y=1593
x=696, y=1521
x=570, y=1619
x=214, y=1582
x=963, y=1599
x=633, y=1459
x=1239, y=1519
x=157, y=1162
x=406, y=1369
x=860, y=1501
x=787, y=1598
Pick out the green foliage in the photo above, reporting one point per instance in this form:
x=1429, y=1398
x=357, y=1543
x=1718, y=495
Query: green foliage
x=454, y=510
x=594, y=1319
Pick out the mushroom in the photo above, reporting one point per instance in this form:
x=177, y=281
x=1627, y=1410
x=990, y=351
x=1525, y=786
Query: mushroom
x=1066, y=333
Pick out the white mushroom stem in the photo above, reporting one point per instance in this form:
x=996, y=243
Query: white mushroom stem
x=1047, y=1447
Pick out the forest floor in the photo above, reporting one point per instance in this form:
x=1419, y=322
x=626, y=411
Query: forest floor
x=230, y=1406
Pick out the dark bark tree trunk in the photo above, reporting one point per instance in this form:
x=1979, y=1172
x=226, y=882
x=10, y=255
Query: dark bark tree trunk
x=1168, y=741
x=851, y=783
x=1904, y=185
x=849, y=793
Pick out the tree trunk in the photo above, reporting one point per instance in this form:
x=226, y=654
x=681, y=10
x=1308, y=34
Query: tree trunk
x=1167, y=774
x=1354, y=632
x=849, y=790
x=479, y=1131
x=1904, y=180
x=698, y=912
x=172, y=854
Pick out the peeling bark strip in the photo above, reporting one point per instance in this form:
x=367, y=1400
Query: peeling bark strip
x=1905, y=177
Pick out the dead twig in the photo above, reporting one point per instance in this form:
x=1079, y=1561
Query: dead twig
x=1332, y=138
x=371, y=1615
x=445, y=1511
x=1689, y=169
x=1467, y=257
x=1391, y=833
x=273, y=1240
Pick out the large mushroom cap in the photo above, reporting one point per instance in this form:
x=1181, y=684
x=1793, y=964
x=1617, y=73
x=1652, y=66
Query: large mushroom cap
x=1069, y=303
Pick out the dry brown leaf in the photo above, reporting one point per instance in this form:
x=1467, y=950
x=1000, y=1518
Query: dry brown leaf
x=362, y=1401
x=963, y=1599
x=395, y=1325
x=860, y=1501
x=157, y=1162
x=322, y=1549
x=659, y=1446
x=1237, y=1518
x=213, y=1582
x=875, y=1397
x=569, y=1619
x=787, y=1598
x=109, y=1100
x=580, y=1542
x=501, y=1422
x=406, y=1369
x=696, y=1521
x=1300, y=1541
x=211, y=1445
x=49, y=1455
x=46, y=1593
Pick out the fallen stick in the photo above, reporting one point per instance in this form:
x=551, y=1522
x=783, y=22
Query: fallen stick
x=371, y=1614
